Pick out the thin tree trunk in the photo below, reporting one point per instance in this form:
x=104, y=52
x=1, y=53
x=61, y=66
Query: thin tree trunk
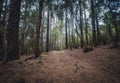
x=23, y=35
x=81, y=29
x=37, y=50
x=93, y=24
x=13, y=30
x=77, y=41
x=42, y=31
x=50, y=25
x=1, y=33
x=78, y=36
x=66, y=34
x=98, y=32
x=73, y=35
x=86, y=29
x=69, y=38
x=47, y=35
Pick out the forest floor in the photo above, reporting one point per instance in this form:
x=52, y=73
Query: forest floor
x=102, y=65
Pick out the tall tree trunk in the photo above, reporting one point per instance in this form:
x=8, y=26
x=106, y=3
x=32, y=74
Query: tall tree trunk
x=50, y=25
x=13, y=30
x=2, y=31
x=72, y=34
x=98, y=32
x=66, y=34
x=86, y=29
x=78, y=36
x=42, y=32
x=93, y=24
x=23, y=34
x=81, y=29
x=47, y=35
x=37, y=50
x=77, y=43
x=69, y=38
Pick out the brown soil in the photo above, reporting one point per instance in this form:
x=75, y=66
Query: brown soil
x=102, y=65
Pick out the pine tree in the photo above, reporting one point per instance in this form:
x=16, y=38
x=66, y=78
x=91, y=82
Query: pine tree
x=13, y=30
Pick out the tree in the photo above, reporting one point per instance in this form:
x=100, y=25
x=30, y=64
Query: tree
x=37, y=50
x=93, y=24
x=96, y=15
x=81, y=29
x=97, y=26
x=66, y=34
x=42, y=32
x=86, y=28
x=22, y=39
x=12, y=31
x=47, y=34
x=3, y=16
x=1, y=31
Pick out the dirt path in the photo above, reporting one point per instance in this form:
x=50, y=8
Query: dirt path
x=61, y=67
x=99, y=66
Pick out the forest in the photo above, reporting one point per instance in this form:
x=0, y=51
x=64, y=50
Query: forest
x=59, y=41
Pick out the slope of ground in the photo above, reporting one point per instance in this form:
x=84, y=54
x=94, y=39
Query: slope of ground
x=102, y=65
